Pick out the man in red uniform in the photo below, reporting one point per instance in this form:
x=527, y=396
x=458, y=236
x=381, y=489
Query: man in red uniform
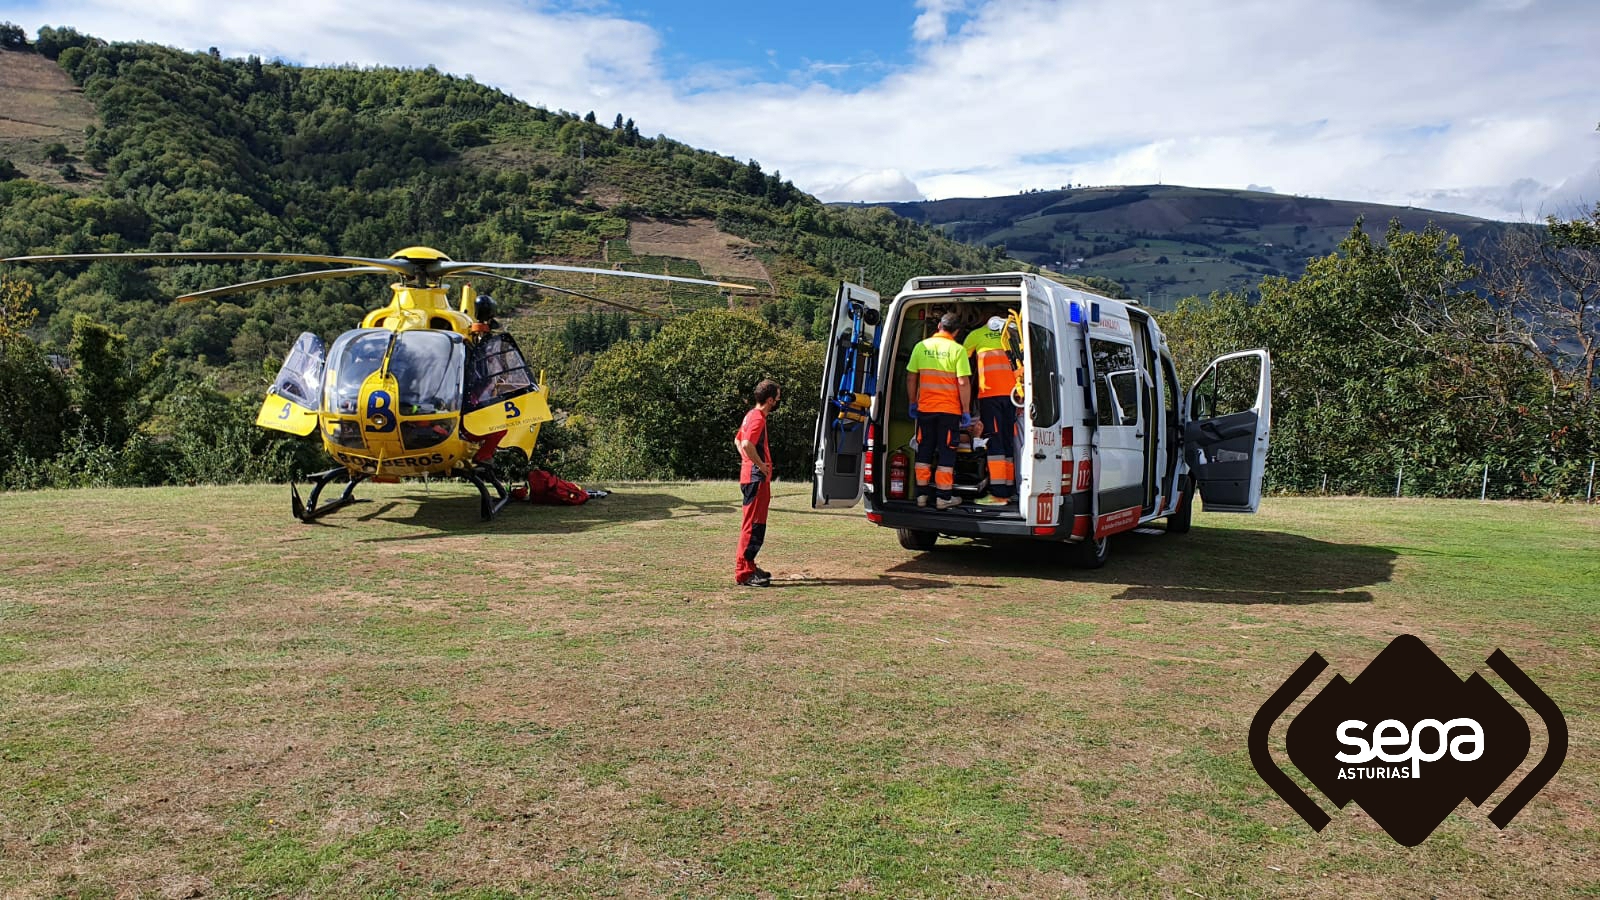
x=755, y=482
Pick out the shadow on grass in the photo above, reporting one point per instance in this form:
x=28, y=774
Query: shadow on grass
x=895, y=582
x=1207, y=565
x=457, y=513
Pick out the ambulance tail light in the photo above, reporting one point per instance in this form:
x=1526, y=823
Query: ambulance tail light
x=866, y=468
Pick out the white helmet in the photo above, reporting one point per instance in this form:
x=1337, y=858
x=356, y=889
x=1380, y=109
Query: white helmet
x=996, y=323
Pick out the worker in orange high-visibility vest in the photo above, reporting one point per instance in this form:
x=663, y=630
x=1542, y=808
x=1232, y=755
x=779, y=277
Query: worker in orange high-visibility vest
x=938, y=387
x=996, y=379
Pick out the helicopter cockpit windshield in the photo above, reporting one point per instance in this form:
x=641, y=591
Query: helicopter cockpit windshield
x=355, y=355
x=427, y=367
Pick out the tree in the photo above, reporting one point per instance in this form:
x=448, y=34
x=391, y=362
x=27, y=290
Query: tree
x=33, y=398
x=1550, y=284
x=676, y=399
x=55, y=153
x=102, y=388
x=8, y=170
x=12, y=36
x=1383, y=356
x=52, y=41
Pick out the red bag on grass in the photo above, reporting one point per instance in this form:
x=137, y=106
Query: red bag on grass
x=546, y=488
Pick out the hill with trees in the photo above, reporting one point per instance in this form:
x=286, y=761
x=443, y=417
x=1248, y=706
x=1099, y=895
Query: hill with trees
x=1162, y=243
x=133, y=146
x=1396, y=350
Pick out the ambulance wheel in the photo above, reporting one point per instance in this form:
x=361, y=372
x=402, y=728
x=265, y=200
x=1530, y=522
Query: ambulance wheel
x=913, y=539
x=1178, y=522
x=1091, y=553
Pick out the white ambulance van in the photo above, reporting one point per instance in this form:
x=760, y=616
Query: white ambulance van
x=1106, y=439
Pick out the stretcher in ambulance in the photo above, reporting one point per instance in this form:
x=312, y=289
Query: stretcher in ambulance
x=1105, y=440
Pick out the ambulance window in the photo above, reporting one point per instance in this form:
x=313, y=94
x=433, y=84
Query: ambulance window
x=1116, y=385
x=1044, y=401
x=1237, y=382
x=1227, y=388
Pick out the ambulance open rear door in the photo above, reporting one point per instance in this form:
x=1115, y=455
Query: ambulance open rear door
x=849, y=384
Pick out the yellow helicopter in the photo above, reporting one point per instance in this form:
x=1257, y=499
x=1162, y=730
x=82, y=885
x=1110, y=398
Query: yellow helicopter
x=421, y=388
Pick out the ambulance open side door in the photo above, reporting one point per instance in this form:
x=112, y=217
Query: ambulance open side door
x=1225, y=439
x=849, y=384
x=1041, y=489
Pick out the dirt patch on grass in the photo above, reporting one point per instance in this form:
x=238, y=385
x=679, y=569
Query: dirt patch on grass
x=717, y=252
x=39, y=106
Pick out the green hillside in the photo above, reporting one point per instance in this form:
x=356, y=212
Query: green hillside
x=142, y=147
x=1166, y=242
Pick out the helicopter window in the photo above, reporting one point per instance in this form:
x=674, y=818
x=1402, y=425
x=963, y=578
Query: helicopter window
x=420, y=434
x=300, y=378
x=346, y=433
x=355, y=355
x=428, y=366
x=498, y=370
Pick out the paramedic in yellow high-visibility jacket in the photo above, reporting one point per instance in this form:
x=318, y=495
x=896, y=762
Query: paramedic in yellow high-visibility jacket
x=996, y=380
x=938, y=382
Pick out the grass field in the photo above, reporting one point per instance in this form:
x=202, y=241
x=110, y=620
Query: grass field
x=201, y=697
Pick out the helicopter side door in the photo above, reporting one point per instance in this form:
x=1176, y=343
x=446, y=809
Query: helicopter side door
x=295, y=397
x=503, y=396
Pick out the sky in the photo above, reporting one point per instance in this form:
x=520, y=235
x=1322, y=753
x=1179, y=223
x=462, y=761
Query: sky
x=1485, y=107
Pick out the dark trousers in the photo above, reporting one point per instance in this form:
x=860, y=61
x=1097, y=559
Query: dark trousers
x=752, y=527
x=937, y=434
x=1000, y=427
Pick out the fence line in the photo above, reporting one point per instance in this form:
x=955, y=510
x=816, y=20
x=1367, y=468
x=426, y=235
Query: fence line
x=1568, y=480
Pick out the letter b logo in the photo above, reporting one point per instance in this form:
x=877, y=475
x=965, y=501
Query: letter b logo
x=380, y=412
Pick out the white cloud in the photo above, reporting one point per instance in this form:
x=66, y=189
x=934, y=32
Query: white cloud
x=932, y=23
x=1486, y=108
x=881, y=186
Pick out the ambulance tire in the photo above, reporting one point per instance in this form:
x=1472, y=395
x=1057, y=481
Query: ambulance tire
x=1178, y=522
x=1091, y=554
x=914, y=539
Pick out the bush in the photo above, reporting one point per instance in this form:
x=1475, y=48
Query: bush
x=34, y=406
x=670, y=406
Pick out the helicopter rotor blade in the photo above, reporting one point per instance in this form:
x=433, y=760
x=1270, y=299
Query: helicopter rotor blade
x=406, y=267
x=283, y=280
x=551, y=287
x=444, y=268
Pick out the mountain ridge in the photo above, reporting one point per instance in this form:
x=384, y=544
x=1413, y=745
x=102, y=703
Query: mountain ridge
x=1164, y=242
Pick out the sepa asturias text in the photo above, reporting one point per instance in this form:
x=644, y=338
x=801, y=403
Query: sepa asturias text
x=1393, y=742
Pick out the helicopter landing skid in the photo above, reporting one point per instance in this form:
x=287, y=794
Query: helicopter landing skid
x=310, y=512
x=483, y=476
